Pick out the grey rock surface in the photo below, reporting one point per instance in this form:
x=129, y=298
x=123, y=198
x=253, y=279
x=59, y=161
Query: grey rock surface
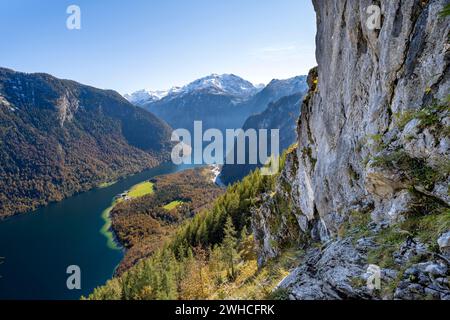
x=366, y=84
x=365, y=78
x=444, y=244
x=327, y=273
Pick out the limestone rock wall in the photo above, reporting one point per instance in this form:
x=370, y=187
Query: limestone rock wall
x=366, y=81
x=373, y=136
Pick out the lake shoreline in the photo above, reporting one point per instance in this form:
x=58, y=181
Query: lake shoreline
x=102, y=185
x=108, y=230
x=114, y=223
x=74, y=231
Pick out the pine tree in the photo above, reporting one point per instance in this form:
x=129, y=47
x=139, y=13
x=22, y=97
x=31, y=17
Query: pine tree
x=243, y=235
x=126, y=284
x=229, y=247
x=202, y=235
x=168, y=289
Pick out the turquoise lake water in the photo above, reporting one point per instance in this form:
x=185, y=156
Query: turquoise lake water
x=39, y=246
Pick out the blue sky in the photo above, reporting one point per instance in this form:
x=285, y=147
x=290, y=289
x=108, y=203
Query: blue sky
x=157, y=44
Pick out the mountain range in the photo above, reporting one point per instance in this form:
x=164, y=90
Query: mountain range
x=59, y=138
x=141, y=97
x=226, y=84
x=220, y=101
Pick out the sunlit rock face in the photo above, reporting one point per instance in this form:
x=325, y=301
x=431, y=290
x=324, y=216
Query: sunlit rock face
x=366, y=80
x=373, y=138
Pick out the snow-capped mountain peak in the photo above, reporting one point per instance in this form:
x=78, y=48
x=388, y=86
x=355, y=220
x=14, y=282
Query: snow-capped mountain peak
x=143, y=96
x=222, y=84
x=225, y=84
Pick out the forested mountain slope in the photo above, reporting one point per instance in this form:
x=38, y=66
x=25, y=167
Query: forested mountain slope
x=142, y=225
x=58, y=138
x=283, y=115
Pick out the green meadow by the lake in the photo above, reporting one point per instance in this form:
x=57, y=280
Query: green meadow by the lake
x=141, y=189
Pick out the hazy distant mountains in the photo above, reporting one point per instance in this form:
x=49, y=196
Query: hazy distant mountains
x=215, y=100
x=58, y=137
x=274, y=91
x=282, y=114
x=230, y=102
x=220, y=101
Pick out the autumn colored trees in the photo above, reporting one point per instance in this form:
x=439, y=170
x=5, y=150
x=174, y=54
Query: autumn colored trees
x=206, y=253
x=142, y=225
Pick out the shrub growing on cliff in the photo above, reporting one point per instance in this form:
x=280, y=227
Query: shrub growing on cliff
x=413, y=169
x=446, y=11
x=428, y=116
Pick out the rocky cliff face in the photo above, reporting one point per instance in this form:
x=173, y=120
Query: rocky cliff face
x=369, y=179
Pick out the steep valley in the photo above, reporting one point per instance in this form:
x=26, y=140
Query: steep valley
x=359, y=209
x=220, y=101
x=59, y=138
x=362, y=195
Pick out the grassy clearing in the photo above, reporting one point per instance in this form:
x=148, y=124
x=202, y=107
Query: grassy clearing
x=173, y=205
x=426, y=222
x=426, y=228
x=430, y=227
x=445, y=11
x=357, y=225
x=389, y=241
x=141, y=189
x=137, y=191
x=106, y=184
